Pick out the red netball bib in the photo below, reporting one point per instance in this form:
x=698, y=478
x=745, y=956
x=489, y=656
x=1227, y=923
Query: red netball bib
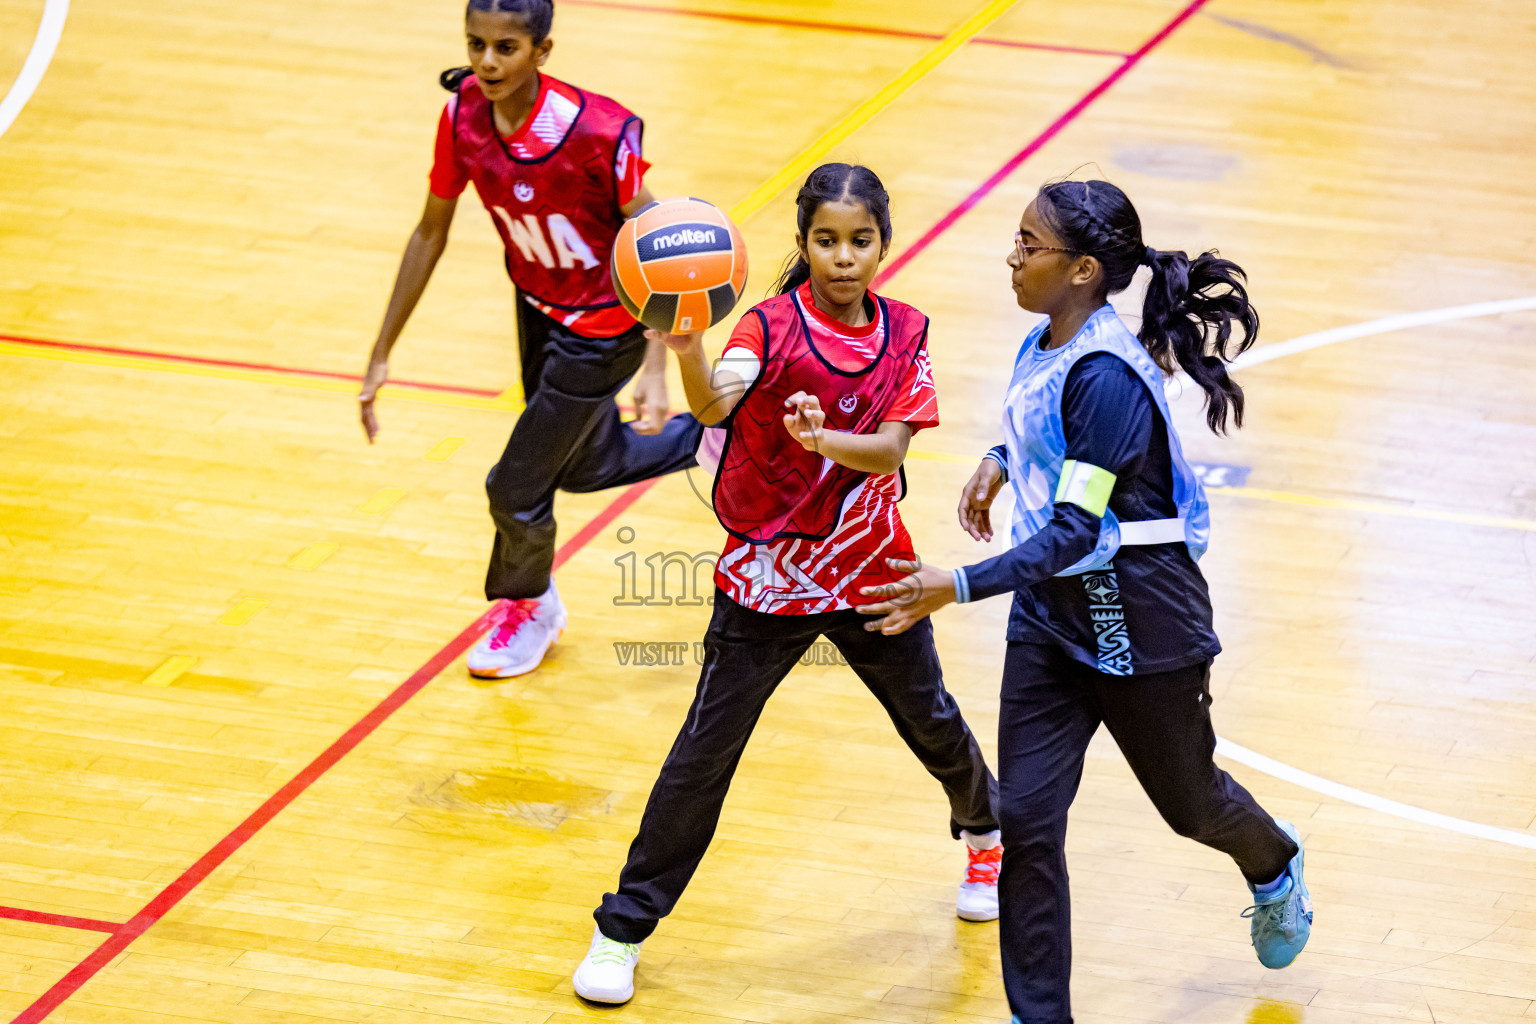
x=768, y=486
x=553, y=193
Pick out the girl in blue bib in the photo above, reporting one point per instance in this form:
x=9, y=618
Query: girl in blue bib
x=1111, y=618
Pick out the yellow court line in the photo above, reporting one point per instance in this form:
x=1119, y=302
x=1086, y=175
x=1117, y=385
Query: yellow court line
x=444, y=449
x=242, y=613
x=311, y=557
x=170, y=670
x=866, y=111
x=381, y=502
x=511, y=399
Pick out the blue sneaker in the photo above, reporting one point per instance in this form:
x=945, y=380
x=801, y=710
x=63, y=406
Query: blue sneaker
x=1282, y=920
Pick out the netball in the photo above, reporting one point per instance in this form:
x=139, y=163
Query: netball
x=434, y=590
x=679, y=265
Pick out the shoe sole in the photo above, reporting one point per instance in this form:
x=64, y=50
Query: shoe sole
x=973, y=916
x=605, y=998
x=522, y=668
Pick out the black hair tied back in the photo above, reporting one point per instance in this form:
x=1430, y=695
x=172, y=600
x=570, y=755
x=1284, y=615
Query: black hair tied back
x=834, y=183
x=454, y=77
x=1190, y=306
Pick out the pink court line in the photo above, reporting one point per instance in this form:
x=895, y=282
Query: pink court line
x=123, y=935
x=832, y=26
x=58, y=920
x=985, y=188
x=231, y=364
x=193, y=876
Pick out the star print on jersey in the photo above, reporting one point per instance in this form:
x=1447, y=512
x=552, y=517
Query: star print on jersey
x=924, y=375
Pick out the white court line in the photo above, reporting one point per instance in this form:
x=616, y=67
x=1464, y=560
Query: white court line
x=1370, y=801
x=49, y=31
x=1316, y=783
x=1387, y=324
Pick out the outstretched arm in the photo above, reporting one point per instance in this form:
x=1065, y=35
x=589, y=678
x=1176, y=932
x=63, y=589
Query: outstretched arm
x=712, y=391
x=1108, y=418
x=426, y=244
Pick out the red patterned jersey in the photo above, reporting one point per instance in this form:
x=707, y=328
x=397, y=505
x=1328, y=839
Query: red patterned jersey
x=553, y=189
x=816, y=532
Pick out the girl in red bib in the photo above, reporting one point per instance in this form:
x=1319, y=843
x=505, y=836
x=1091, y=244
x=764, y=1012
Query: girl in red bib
x=558, y=169
x=819, y=392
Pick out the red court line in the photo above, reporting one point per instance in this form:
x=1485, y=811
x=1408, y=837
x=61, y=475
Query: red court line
x=985, y=188
x=833, y=26
x=123, y=935
x=231, y=364
x=59, y=920
x=177, y=890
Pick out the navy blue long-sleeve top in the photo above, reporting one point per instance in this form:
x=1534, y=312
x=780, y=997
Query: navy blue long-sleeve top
x=1110, y=421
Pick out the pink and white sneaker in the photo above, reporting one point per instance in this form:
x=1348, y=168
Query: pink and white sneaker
x=518, y=644
x=977, y=900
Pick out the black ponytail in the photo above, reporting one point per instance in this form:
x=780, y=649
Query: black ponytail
x=454, y=77
x=833, y=183
x=1190, y=305
x=1187, y=317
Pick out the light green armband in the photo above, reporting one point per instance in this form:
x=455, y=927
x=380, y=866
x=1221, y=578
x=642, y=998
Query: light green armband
x=1086, y=486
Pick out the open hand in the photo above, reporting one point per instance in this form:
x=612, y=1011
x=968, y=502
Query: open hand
x=977, y=497
x=924, y=590
x=804, y=420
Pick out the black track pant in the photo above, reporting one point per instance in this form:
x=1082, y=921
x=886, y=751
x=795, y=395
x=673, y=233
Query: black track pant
x=746, y=655
x=570, y=437
x=1051, y=706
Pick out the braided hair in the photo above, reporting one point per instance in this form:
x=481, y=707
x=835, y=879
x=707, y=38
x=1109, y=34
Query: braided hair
x=834, y=183
x=1190, y=306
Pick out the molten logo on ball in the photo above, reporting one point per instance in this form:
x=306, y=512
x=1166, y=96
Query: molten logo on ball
x=687, y=236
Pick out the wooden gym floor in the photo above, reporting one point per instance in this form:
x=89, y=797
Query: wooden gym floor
x=245, y=779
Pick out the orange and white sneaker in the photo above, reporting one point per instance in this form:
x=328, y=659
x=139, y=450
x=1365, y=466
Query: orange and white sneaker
x=517, y=644
x=978, y=893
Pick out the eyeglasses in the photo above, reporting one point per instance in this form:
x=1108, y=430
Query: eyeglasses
x=1025, y=250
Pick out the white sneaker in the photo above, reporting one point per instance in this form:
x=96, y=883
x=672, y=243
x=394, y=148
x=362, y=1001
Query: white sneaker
x=518, y=643
x=607, y=974
x=978, y=893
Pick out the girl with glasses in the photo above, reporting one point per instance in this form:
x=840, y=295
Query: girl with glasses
x=1111, y=618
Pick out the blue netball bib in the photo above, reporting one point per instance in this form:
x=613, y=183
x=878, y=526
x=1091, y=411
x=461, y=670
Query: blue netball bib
x=1037, y=444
